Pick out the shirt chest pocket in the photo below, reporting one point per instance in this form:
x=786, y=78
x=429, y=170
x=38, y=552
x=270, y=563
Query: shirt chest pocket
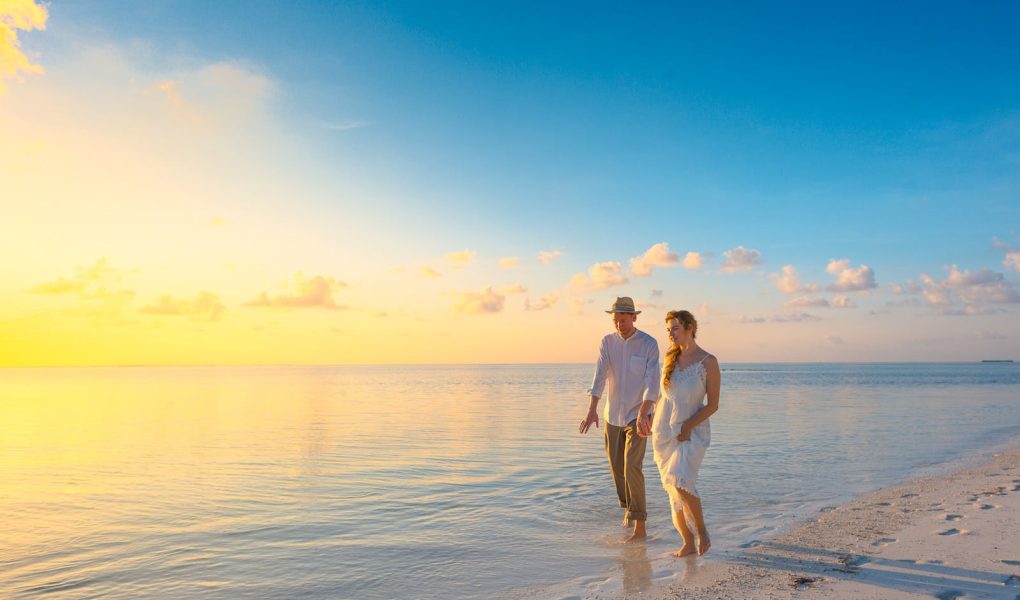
x=637, y=365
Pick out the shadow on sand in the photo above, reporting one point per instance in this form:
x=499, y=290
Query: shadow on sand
x=939, y=581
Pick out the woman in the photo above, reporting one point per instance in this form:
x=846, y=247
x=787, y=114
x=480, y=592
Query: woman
x=680, y=429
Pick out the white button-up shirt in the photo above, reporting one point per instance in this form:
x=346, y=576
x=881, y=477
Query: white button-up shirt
x=631, y=368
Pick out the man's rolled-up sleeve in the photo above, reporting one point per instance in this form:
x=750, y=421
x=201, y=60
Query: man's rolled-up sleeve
x=652, y=373
x=598, y=383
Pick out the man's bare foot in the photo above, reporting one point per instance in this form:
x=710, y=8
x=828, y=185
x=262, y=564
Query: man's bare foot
x=639, y=532
x=686, y=550
x=703, y=544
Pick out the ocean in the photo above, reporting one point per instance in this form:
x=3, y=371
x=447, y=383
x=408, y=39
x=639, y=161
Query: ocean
x=430, y=481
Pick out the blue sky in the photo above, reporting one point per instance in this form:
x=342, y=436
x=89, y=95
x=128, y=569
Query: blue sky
x=888, y=135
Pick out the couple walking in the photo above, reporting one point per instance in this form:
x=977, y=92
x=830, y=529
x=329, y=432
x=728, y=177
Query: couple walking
x=668, y=406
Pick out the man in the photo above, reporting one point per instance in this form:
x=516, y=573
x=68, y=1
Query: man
x=629, y=362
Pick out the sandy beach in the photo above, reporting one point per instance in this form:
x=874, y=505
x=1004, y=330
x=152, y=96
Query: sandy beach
x=951, y=536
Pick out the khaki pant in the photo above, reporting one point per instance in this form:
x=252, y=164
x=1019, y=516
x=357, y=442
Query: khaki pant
x=626, y=451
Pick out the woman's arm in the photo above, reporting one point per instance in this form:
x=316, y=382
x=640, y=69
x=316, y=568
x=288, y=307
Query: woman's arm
x=713, y=381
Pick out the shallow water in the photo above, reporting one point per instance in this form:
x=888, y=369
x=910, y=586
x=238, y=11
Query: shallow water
x=426, y=482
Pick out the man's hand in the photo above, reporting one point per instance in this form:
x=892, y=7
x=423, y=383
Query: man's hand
x=591, y=419
x=685, y=432
x=644, y=425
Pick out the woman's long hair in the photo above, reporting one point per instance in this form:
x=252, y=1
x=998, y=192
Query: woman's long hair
x=687, y=321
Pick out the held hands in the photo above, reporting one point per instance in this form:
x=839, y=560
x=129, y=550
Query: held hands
x=685, y=432
x=644, y=425
x=588, y=421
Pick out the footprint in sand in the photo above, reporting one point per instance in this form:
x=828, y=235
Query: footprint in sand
x=953, y=517
x=953, y=531
x=949, y=595
x=988, y=506
x=1012, y=563
x=884, y=541
x=1016, y=488
x=909, y=496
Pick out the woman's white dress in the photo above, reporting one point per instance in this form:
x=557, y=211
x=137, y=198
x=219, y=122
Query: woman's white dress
x=678, y=461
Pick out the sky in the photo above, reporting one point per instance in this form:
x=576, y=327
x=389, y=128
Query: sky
x=192, y=183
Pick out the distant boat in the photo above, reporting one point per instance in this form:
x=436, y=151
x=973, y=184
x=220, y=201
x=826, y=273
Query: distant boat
x=997, y=361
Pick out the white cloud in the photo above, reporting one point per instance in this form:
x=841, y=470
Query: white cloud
x=907, y=288
x=547, y=256
x=807, y=301
x=850, y=279
x=740, y=259
x=509, y=262
x=576, y=306
x=694, y=260
x=972, y=288
x=657, y=293
x=427, y=271
x=461, y=259
x=25, y=15
x=656, y=256
x=600, y=276
x=835, y=340
x=750, y=320
x=205, y=305
x=544, y=303
x=516, y=288
x=788, y=281
x=795, y=318
x=843, y=302
x=1012, y=260
x=484, y=302
x=314, y=292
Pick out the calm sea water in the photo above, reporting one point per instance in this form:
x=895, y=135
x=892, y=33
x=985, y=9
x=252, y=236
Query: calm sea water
x=427, y=482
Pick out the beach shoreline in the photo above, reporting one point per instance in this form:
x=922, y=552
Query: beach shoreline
x=951, y=535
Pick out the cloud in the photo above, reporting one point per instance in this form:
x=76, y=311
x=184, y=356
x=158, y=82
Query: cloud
x=656, y=256
x=60, y=286
x=427, y=271
x=346, y=125
x=907, y=288
x=750, y=320
x=1012, y=260
x=509, y=262
x=788, y=281
x=992, y=335
x=316, y=292
x=968, y=311
x=971, y=288
x=694, y=260
x=576, y=306
x=600, y=276
x=485, y=302
x=835, y=340
x=205, y=305
x=795, y=318
x=461, y=259
x=740, y=259
x=544, y=303
x=849, y=279
x=91, y=275
x=516, y=288
x=843, y=302
x=807, y=301
x=656, y=293
x=999, y=244
x=547, y=256
x=25, y=15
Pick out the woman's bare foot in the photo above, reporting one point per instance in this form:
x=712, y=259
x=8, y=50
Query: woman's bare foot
x=626, y=522
x=703, y=544
x=686, y=550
